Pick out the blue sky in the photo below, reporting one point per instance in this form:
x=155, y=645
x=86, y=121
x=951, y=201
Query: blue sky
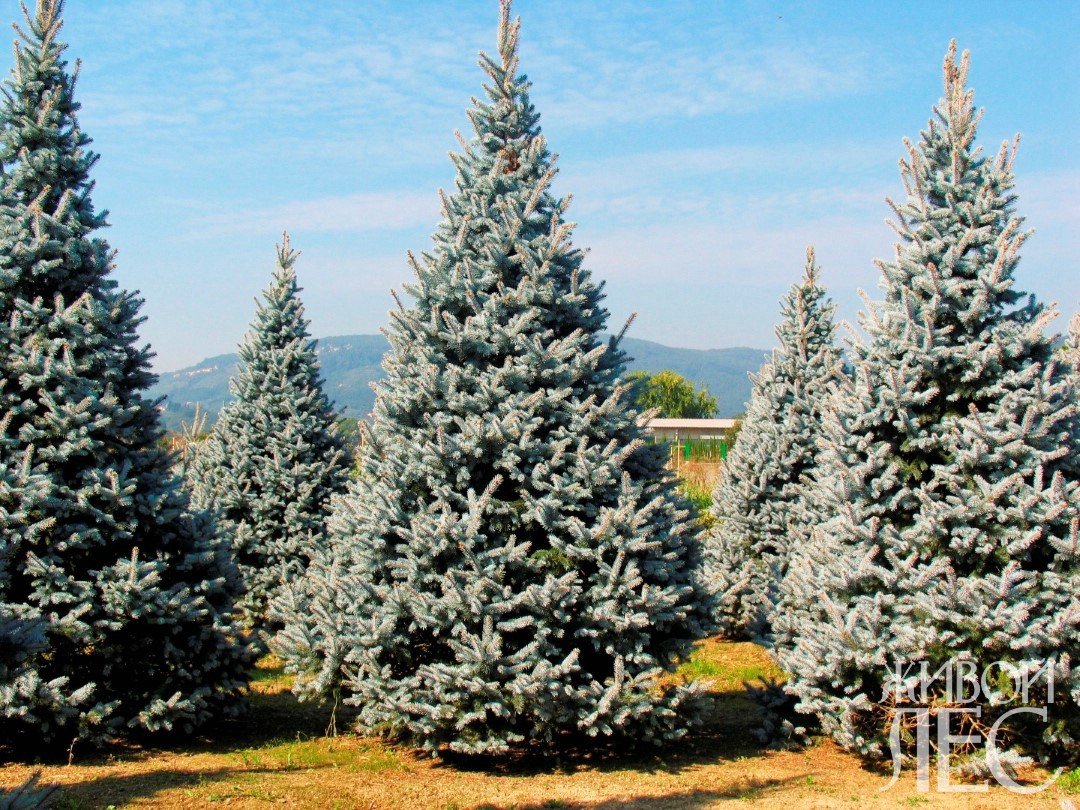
x=705, y=143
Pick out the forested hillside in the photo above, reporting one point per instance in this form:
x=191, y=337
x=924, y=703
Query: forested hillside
x=351, y=362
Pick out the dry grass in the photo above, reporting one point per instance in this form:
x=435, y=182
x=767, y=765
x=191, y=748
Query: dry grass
x=277, y=756
x=700, y=475
x=698, y=479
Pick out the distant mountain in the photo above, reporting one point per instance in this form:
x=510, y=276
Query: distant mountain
x=351, y=362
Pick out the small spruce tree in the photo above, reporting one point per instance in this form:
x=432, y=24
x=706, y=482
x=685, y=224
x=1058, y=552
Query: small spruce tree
x=274, y=459
x=949, y=466
x=115, y=600
x=757, y=498
x=1072, y=345
x=514, y=561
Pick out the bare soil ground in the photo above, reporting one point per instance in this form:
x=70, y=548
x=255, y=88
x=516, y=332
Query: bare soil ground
x=277, y=756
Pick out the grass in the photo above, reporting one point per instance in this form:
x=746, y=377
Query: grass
x=278, y=756
x=728, y=666
x=1070, y=782
x=320, y=753
x=269, y=672
x=699, y=495
x=698, y=480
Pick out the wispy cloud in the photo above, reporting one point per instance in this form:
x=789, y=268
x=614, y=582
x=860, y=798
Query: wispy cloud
x=706, y=144
x=726, y=181
x=357, y=213
x=197, y=74
x=744, y=249
x=368, y=79
x=695, y=85
x=1050, y=199
x=749, y=252
x=686, y=60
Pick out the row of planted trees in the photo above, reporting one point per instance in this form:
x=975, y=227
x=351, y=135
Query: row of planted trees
x=528, y=568
x=906, y=511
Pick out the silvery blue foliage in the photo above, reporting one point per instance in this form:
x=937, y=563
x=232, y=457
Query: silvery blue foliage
x=757, y=501
x=273, y=460
x=1072, y=344
x=102, y=564
x=514, y=562
x=948, y=469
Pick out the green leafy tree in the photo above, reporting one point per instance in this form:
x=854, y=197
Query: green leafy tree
x=948, y=477
x=274, y=458
x=514, y=561
x=735, y=431
x=671, y=394
x=115, y=600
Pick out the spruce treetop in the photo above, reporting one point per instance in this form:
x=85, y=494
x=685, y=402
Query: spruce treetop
x=952, y=329
x=959, y=237
x=503, y=239
x=807, y=323
x=47, y=165
x=278, y=347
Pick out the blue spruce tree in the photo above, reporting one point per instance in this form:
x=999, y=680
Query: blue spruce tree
x=273, y=459
x=757, y=500
x=949, y=467
x=115, y=600
x=514, y=562
x=1072, y=346
x=23, y=629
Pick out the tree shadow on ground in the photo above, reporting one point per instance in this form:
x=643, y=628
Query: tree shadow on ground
x=746, y=790
x=269, y=716
x=725, y=734
x=120, y=789
x=275, y=717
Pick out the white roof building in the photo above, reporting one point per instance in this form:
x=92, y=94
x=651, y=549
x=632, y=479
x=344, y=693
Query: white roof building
x=681, y=429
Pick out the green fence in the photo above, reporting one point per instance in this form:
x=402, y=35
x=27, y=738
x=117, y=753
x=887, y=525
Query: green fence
x=690, y=450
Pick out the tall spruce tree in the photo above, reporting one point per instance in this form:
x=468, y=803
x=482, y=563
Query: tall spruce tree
x=23, y=630
x=273, y=459
x=514, y=561
x=757, y=499
x=115, y=601
x=950, y=468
